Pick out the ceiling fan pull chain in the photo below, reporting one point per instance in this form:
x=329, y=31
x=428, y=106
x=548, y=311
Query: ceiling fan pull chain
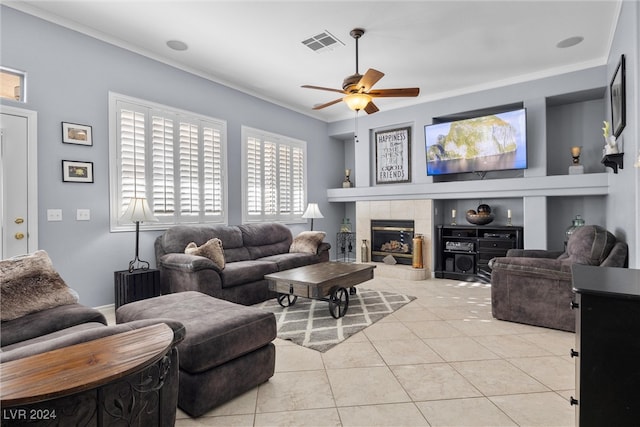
x=356, y=128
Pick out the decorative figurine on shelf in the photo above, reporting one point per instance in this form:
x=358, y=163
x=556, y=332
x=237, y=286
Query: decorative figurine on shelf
x=347, y=181
x=576, y=168
x=611, y=145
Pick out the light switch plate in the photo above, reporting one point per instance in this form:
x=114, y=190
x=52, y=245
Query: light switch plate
x=83, y=215
x=54, y=214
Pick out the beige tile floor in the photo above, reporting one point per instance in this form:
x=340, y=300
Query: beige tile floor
x=441, y=360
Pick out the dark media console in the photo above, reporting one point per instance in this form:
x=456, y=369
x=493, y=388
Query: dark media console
x=464, y=252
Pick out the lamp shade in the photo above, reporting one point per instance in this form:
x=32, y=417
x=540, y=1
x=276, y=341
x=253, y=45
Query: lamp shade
x=139, y=211
x=357, y=101
x=313, y=211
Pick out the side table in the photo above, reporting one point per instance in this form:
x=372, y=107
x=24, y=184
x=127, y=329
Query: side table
x=115, y=380
x=136, y=285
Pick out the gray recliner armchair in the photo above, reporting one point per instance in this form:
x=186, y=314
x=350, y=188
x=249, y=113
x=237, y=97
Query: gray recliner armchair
x=535, y=287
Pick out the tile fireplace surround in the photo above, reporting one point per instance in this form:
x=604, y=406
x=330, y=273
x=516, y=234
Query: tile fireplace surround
x=419, y=211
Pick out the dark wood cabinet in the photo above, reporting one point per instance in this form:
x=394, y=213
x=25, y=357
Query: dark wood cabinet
x=464, y=252
x=607, y=346
x=136, y=285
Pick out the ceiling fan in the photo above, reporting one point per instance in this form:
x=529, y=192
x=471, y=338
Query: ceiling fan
x=357, y=87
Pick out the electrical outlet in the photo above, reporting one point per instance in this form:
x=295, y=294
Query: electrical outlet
x=54, y=214
x=83, y=215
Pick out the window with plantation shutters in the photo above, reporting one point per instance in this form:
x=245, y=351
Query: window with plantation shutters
x=173, y=158
x=274, y=177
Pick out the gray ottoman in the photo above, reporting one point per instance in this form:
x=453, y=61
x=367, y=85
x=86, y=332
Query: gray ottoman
x=227, y=348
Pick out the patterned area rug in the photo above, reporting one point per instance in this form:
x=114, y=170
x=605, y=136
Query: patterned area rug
x=308, y=322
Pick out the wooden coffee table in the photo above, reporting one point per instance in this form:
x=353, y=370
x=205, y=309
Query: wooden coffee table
x=326, y=281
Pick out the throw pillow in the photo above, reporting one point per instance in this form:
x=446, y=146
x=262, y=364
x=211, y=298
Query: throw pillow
x=211, y=249
x=307, y=242
x=29, y=283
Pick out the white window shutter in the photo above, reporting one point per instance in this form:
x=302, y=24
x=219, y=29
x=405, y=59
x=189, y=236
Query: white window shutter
x=285, y=179
x=298, y=181
x=254, y=176
x=176, y=159
x=132, y=131
x=162, y=166
x=274, y=167
x=212, y=171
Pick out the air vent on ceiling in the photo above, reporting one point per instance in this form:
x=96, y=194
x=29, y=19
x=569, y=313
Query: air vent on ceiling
x=322, y=42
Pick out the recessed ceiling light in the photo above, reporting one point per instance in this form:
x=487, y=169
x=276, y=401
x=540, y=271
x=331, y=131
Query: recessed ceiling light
x=571, y=41
x=177, y=45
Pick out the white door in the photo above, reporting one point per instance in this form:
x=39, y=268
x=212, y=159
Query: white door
x=18, y=182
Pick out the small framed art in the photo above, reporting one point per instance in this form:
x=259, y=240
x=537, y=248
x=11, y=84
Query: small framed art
x=73, y=133
x=74, y=171
x=618, y=99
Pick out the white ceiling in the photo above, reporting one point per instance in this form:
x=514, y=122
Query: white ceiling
x=443, y=47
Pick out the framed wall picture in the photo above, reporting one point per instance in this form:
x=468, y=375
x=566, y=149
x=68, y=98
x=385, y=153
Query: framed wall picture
x=73, y=133
x=618, y=99
x=74, y=171
x=393, y=156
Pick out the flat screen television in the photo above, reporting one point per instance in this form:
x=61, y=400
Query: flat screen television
x=479, y=144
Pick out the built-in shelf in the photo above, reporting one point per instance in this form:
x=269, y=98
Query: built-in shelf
x=594, y=184
x=613, y=161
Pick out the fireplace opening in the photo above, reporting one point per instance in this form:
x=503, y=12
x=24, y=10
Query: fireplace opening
x=392, y=237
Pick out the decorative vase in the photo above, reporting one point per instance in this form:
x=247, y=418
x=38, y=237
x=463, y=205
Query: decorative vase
x=417, y=251
x=364, y=251
x=347, y=181
x=576, y=223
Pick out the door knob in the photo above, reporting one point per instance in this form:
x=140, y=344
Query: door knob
x=19, y=236
x=19, y=220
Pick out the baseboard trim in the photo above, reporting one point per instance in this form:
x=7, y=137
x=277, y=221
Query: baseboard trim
x=109, y=311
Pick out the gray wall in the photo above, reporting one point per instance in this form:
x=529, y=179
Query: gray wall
x=69, y=77
x=623, y=204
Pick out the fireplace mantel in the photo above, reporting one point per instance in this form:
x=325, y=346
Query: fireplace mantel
x=592, y=184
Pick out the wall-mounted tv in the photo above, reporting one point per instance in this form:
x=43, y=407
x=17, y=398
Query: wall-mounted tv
x=479, y=144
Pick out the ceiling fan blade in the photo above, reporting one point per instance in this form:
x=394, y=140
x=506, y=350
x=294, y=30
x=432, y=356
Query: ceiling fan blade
x=370, y=78
x=328, y=104
x=388, y=93
x=371, y=108
x=323, y=88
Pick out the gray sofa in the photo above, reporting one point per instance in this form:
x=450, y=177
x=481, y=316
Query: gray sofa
x=535, y=286
x=50, y=318
x=250, y=252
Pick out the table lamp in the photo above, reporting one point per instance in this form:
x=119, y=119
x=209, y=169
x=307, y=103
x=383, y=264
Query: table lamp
x=138, y=211
x=313, y=211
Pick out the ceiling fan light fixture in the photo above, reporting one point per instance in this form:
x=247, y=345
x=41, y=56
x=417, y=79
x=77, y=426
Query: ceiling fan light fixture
x=357, y=101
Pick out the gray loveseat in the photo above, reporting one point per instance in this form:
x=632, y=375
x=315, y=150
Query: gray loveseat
x=40, y=314
x=250, y=252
